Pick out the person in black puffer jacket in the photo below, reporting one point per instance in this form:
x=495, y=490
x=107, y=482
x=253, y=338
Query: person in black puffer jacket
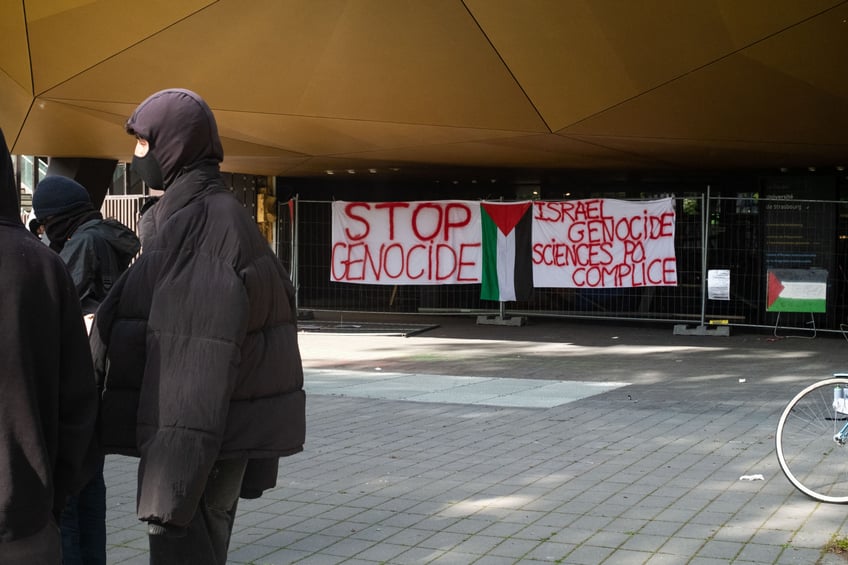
x=198, y=343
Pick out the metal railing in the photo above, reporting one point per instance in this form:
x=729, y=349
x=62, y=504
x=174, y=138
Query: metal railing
x=743, y=236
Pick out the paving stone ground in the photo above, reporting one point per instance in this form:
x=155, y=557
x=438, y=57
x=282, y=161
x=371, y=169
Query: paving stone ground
x=553, y=442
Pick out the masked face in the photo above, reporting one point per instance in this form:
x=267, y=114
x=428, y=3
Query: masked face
x=146, y=165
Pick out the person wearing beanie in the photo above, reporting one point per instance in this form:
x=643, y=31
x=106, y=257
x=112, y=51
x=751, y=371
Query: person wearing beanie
x=60, y=199
x=60, y=205
x=96, y=252
x=197, y=343
x=48, y=404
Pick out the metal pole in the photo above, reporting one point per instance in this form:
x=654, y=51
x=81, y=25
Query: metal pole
x=294, y=231
x=705, y=232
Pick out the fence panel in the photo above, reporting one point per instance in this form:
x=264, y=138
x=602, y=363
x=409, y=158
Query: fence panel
x=125, y=209
x=750, y=236
x=745, y=236
x=316, y=291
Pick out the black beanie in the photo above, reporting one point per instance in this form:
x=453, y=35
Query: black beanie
x=56, y=194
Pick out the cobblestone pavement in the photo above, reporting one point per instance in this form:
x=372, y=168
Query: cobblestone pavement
x=553, y=442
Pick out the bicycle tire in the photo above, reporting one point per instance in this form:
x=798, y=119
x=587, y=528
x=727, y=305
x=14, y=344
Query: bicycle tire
x=806, y=451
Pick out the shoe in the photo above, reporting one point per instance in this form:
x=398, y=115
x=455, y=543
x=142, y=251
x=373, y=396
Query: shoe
x=167, y=530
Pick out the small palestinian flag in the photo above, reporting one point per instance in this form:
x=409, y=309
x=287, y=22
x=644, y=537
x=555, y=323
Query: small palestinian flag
x=507, y=262
x=796, y=290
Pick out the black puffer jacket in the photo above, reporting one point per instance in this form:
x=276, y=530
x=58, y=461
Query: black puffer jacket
x=48, y=402
x=200, y=334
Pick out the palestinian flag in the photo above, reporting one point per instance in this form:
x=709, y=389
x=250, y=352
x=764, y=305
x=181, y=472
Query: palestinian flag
x=507, y=262
x=796, y=290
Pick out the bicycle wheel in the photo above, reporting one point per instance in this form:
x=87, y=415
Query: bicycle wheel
x=806, y=450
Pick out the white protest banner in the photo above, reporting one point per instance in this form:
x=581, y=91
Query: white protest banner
x=423, y=242
x=604, y=243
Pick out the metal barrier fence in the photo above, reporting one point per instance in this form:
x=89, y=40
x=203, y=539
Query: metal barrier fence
x=125, y=209
x=743, y=235
x=750, y=236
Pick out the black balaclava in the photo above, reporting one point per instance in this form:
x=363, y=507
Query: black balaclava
x=181, y=132
x=61, y=227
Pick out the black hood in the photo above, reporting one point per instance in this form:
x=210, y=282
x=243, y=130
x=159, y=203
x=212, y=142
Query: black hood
x=10, y=205
x=181, y=131
x=123, y=240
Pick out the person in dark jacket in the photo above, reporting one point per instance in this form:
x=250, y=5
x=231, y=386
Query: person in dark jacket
x=48, y=400
x=96, y=252
x=204, y=379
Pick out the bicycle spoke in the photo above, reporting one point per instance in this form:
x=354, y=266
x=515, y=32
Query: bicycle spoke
x=808, y=455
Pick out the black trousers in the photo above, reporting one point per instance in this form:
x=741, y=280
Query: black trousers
x=83, y=523
x=207, y=538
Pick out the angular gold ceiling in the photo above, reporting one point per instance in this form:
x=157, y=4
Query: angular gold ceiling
x=303, y=86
